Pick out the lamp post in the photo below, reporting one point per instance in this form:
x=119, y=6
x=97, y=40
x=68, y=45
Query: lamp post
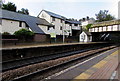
x=63, y=37
x=63, y=32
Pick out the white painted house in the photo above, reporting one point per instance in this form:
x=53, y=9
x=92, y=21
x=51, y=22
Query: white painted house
x=62, y=25
x=41, y=25
x=85, y=37
x=12, y=21
x=12, y=25
x=55, y=19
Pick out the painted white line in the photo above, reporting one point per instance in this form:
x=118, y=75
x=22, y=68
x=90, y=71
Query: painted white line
x=70, y=68
x=113, y=75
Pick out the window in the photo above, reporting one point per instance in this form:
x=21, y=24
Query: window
x=48, y=28
x=43, y=15
x=26, y=25
x=61, y=20
x=53, y=19
x=70, y=24
x=75, y=24
x=53, y=27
x=60, y=27
x=20, y=24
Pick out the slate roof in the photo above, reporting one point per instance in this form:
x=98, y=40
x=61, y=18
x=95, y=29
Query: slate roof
x=88, y=33
x=73, y=22
x=30, y=20
x=54, y=15
x=61, y=17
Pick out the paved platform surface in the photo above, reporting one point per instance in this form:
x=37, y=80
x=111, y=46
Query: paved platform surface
x=103, y=67
x=44, y=45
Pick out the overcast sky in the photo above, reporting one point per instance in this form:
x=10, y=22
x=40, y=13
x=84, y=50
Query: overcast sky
x=69, y=8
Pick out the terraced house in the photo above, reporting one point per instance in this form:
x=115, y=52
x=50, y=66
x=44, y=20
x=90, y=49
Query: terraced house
x=12, y=21
x=62, y=25
x=41, y=25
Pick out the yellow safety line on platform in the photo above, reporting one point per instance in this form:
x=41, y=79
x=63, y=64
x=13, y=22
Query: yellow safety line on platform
x=100, y=64
x=85, y=75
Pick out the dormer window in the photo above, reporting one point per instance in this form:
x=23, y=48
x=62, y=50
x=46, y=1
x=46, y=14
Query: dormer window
x=75, y=24
x=53, y=18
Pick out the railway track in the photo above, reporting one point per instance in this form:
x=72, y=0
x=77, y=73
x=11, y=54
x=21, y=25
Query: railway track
x=9, y=65
x=28, y=77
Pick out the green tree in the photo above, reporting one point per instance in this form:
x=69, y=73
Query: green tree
x=24, y=34
x=103, y=15
x=9, y=6
x=24, y=11
x=88, y=26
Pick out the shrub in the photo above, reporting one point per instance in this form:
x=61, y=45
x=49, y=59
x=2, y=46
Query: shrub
x=24, y=34
x=5, y=33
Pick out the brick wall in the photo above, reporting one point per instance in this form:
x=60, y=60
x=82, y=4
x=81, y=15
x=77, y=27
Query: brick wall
x=41, y=38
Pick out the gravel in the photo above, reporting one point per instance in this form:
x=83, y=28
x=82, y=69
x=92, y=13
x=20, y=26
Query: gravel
x=11, y=74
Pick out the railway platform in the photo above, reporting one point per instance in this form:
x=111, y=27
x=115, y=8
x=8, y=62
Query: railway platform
x=103, y=67
x=47, y=45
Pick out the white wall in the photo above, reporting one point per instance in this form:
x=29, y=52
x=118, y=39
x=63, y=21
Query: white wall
x=90, y=30
x=109, y=28
x=69, y=28
x=93, y=29
x=104, y=28
x=119, y=28
x=83, y=37
x=76, y=27
x=44, y=28
x=58, y=24
x=11, y=26
x=45, y=16
x=96, y=29
x=115, y=27
x=84, y=23
x=100, y=29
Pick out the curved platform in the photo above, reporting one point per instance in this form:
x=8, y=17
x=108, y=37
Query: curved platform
x=103, y=67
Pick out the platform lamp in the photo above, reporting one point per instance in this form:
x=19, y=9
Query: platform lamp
x=63, y=29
